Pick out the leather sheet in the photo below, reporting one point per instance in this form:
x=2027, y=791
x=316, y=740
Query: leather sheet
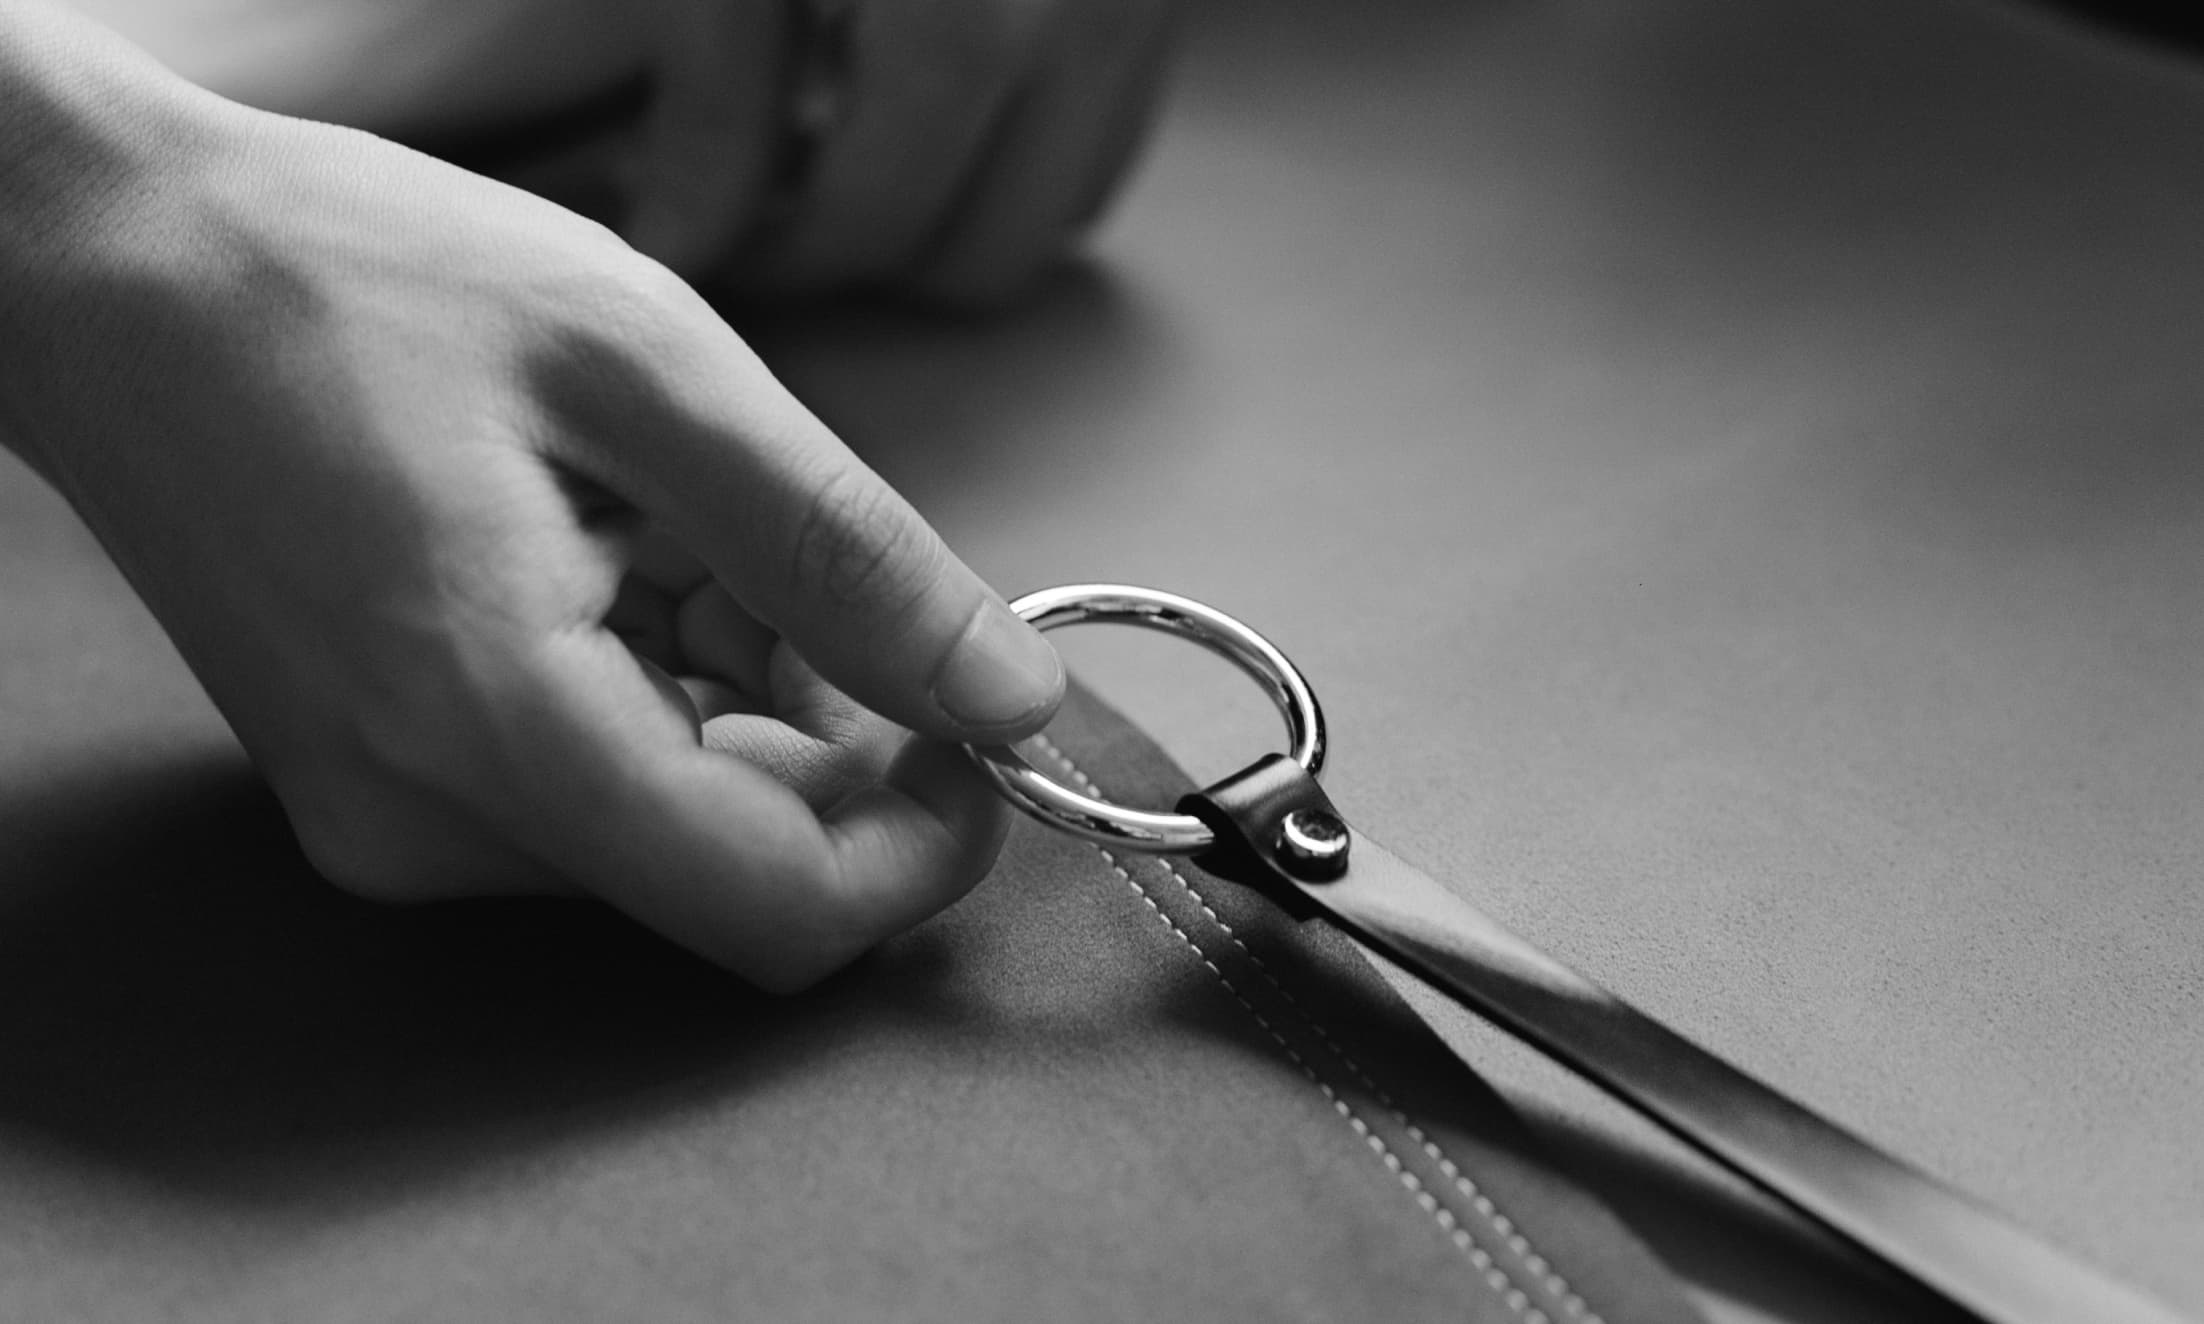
x=1730, y=471
x=1101, y=1088
x=1728, y=468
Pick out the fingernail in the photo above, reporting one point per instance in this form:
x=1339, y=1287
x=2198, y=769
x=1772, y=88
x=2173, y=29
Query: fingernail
x=1001, y=675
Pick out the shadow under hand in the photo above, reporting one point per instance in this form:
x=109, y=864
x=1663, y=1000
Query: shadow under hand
x=181, y=996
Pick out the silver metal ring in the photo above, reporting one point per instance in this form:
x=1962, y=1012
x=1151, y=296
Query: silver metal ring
x=1098, y=820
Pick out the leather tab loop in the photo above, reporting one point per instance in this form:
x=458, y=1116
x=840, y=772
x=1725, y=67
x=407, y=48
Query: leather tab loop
x=1249, y=812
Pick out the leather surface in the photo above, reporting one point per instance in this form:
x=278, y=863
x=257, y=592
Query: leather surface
x=1098, y=1089
x=1730, y=471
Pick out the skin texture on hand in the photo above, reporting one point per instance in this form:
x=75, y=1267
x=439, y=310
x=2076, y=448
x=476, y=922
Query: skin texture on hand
x=511, y=566
x=966, y=143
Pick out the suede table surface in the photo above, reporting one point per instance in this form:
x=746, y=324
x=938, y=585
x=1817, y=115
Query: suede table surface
x=1103, y=1087
x=1730, y=471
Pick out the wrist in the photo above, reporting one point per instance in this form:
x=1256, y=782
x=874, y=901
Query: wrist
x=98, y=149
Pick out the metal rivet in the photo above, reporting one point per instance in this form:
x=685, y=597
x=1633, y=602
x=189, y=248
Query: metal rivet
x=1312, y=844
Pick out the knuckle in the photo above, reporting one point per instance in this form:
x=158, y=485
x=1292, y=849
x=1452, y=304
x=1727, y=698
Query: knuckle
x=625, y=297
x=856, y=547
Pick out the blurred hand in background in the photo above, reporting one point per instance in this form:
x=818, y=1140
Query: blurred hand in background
x=948, y=148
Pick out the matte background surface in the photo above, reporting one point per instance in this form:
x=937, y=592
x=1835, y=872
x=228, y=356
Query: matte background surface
x=1732, y=472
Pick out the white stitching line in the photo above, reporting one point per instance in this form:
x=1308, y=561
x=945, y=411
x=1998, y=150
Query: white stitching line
x=1540, y=1267
x=1495, y=1277
x=1480, y=1259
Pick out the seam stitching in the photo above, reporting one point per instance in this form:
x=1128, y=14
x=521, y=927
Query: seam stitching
x=1493, y=1274
x=1503, y=1226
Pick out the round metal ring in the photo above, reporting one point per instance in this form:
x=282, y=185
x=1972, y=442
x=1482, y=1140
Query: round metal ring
x=1096, y=819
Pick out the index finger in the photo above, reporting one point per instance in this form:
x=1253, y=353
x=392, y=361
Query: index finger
x=684, y=421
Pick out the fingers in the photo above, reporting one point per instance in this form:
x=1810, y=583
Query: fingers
x=712, y=851
x=973, y=139
x=704, y=159
x=1065, y=145
x=805, y=538
x=753, y=696
x=849, y=573
x=811, y=737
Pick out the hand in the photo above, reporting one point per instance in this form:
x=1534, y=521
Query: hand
x=964, y=145
x=508, y=562
x=959, y=145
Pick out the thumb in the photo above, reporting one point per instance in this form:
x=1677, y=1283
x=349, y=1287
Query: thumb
x=805, y=537
x=866, y=592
